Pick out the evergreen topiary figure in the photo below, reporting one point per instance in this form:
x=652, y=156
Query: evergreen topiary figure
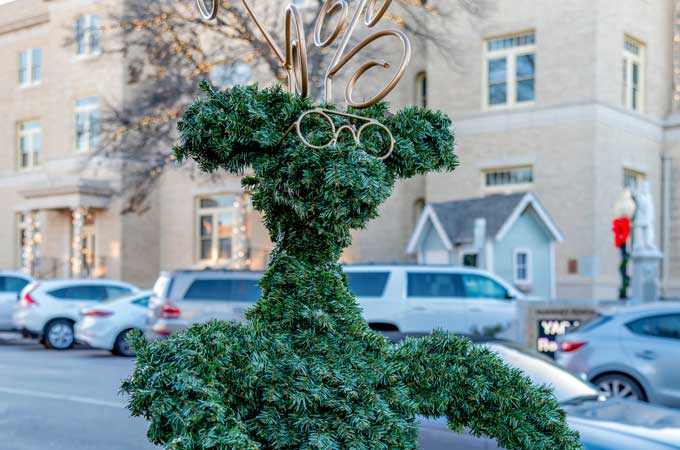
x=306, y=372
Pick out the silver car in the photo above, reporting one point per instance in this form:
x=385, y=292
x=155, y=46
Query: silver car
x=631, y=353
x=185, y=297
x=604, y=423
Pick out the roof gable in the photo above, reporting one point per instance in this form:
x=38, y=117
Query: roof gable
x=458, y=217
x=454, y=220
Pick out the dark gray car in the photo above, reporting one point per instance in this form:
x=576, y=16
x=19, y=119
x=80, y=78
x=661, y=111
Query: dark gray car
x=186, y=297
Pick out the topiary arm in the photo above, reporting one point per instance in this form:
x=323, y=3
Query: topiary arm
x=471, y=386
x=234, y=128
x=424, y=142
x=197, y=387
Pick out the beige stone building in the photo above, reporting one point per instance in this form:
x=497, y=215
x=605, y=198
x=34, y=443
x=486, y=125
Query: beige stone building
x=572, y=101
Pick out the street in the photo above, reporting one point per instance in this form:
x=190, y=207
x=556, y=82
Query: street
x=64, y=400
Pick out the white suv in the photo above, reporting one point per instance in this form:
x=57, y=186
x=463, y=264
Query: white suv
x=420, y=298
x=11, y=284
x=49, y=309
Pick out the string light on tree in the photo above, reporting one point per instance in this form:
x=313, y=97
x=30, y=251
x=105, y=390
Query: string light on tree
x=77, y=224
x=27, y=250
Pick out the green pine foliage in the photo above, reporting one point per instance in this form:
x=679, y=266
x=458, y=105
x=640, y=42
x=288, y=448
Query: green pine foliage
x=306, y=372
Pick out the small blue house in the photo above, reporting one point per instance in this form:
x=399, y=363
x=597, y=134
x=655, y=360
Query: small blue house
x=512, y=236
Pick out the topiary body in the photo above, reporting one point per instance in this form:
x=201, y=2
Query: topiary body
x=306, y=372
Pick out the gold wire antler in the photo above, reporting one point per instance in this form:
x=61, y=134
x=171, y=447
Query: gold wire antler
x=295, y=57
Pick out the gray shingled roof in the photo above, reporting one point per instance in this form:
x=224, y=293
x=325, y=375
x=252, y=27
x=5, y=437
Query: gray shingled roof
x=458, y=217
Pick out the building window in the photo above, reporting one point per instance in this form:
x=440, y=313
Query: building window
x=228, y=75
x=87, y=124
x=470, y=259
x=222, y=237
x=30, y=66
x=633, y=74
x=29, y=144
x=510, y=70
x=508, y=179
x=421, y=90
x=632, y=179
x=87, y=35
x=522, y=266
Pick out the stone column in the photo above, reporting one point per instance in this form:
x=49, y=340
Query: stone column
x=77, y=221
x=27, y=246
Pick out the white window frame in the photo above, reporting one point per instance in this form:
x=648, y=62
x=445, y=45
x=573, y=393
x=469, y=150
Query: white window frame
x=629, y=59
x=31, y=78
x=30, y=136
x=87, y=49
x=510, y=54
x=529, y=266
x=91, y=136
x=510, y=187
x=238, y=254
x=638, y=175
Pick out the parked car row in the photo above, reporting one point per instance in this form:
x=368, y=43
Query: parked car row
x=59, y=312
x=630, y=355
x=405, y=298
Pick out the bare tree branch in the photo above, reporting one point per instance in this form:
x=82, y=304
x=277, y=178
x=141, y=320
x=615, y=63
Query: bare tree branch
x=168, y=49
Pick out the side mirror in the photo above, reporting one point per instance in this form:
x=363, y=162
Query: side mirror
x=509, y=296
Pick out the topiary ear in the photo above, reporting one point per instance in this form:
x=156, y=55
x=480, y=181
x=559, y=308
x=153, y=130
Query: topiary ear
x=424, y=142
x=233, y=128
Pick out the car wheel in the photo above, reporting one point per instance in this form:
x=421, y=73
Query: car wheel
x=59, y=335
x=617, y=385
x=122, y=347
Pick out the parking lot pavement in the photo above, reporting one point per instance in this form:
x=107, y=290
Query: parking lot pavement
x=64, y=400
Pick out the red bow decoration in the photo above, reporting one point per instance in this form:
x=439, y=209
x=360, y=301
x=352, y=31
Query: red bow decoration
x=621, y=229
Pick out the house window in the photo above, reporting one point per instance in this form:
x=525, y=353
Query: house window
x=29, y=144
x=421, y=90
x=87, y=35
x=470, y=259
x=510, y=70
x=222, y=230
x=632, y=179
x=87, y=124
x=522, y=266
x=633, y=74
x=30, y=66
x=508, y=179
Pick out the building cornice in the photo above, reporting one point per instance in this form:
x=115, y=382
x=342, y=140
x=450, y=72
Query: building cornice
x=24, y=22
x=557, y=115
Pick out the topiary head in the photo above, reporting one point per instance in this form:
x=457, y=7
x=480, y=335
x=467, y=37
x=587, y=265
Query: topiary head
x=311, y=198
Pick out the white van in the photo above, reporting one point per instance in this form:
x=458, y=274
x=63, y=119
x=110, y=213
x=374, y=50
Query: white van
x=420, y=298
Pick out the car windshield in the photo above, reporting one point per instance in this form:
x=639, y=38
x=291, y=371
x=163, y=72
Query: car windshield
x=541, y=370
